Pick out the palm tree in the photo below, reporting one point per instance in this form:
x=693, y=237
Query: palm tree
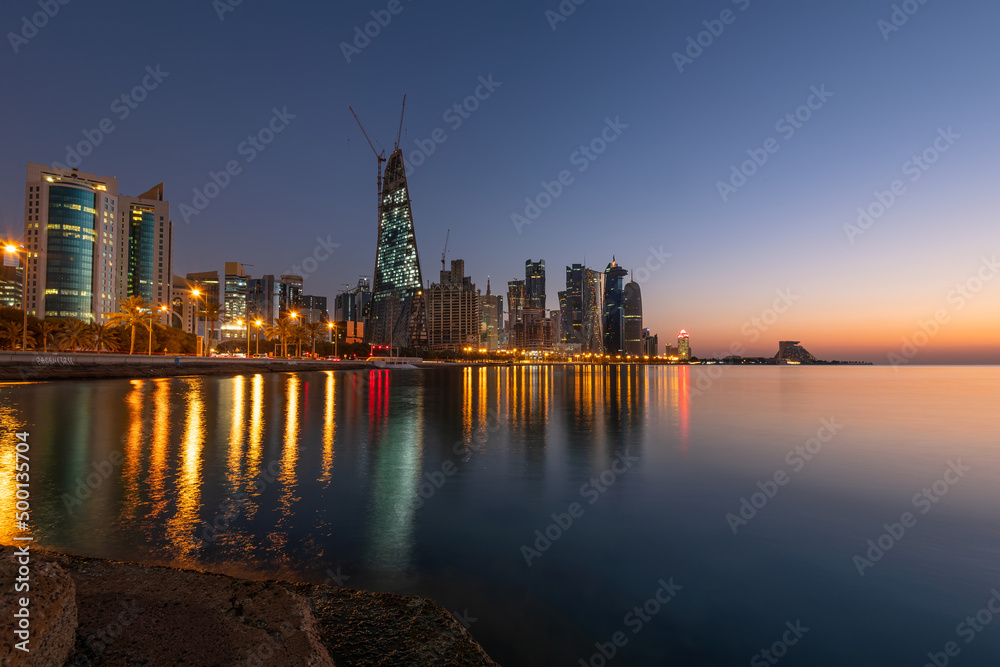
x=11, y=331
x=299, y=336
x=211, y=313
x=135, y=312
x=312, y=331
x=281, y=330
x=75, y=335
x=103, y=336
x=47, y=329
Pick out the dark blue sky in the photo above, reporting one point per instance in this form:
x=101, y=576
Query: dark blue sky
x=853, y=295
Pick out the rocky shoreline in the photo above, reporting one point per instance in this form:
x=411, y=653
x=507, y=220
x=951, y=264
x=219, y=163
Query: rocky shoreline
x=88, y=611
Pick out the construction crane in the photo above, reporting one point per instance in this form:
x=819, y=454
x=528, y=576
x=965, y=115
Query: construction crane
x=446, y=237
x=400, y=134
x=379, y=156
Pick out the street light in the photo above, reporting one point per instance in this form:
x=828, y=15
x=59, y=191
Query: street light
x=196, y=293
x=10, y=247
x=258, y=323
x=333, y=334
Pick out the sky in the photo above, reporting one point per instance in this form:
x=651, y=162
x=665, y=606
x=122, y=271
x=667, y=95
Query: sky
x=724, y=151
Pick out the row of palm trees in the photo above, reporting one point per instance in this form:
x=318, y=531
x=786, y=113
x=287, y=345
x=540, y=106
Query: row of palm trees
x=137, y=313
x=74, y=335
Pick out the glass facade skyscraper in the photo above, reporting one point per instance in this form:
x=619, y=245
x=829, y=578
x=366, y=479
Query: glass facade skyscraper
x=633, y=319
x=142, y=222
x=71, y=238
x=614, y=309
x=397, y=299
x=534, y=284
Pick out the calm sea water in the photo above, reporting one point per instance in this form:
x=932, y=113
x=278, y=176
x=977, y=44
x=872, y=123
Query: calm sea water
x=435, y=482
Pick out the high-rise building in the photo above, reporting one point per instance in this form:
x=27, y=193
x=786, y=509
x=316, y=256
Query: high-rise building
x=396, y=313
x=650, y=344
x=70, y=242
x=145, y=248
x=614, y=309
x=291, y=294
x=571, y=306
x=234, y=301
x=452, y=308
x=313, y=309
x=534, y=284
x=791, y=350
x=683, y=346
x=593, y=312
x=263, y=299
x=352, y=305
x=516, y=296
x=491, y=318
x=633, y=319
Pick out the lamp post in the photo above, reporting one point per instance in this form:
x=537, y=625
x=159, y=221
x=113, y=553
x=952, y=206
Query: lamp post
x=295, y=318
x=257, y=353
x=10, y=247
x=196, y=293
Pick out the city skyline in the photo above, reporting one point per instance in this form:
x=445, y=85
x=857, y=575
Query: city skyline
x=780, y=254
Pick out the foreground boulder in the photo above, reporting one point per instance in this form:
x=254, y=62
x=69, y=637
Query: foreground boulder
x=51, y=611
x=137, y=614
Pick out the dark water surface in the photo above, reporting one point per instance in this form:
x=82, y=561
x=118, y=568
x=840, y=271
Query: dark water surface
x=645, y=463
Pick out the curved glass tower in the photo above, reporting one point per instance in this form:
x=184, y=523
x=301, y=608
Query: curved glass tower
x=633, y=319
x=71, y=237
x=396, y=316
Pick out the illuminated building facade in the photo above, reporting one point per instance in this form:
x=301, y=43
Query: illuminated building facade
x=593, y=312
x=70, y=243
x=614, y=309
x=353, y=305
x=145, y=249
x=11, y=280
x=534, y=284
x=633, y=319
x=234, y=302
x=516, y=294
x=184, y=305
x=263, y=299
x=650, y=344
x=683, y=346
x=396, y=314
x=491, y=319
x=571, y=306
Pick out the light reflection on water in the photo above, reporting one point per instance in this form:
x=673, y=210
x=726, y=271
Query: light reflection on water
x=331, y=464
